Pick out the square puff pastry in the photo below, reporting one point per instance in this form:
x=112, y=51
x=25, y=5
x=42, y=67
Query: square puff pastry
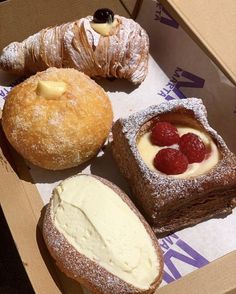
x=170, y=203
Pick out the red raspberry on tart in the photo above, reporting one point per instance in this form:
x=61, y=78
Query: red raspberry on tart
x=164, y=134
x=171, y=161
x=193, y=147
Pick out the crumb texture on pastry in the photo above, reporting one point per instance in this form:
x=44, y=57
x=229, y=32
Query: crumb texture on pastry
x=123, y=54
x=57, y=132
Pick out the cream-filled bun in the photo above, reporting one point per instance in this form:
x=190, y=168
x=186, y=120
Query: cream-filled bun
x=98, y=237
x=58, y=118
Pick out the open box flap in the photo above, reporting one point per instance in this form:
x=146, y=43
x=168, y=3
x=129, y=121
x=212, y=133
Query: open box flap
x=212, y=24
x=218, y=277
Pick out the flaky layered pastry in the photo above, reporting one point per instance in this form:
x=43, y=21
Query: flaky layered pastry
x=121, y=54
x=171, y=203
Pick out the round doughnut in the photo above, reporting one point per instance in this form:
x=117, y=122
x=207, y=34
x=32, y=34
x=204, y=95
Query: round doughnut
x=58, y=118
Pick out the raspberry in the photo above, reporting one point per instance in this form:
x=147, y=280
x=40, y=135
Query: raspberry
x=171, y=161
x=193, y=147
x=164, y=134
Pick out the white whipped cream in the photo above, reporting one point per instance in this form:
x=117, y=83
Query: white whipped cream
x=100, y=225
x=148, y=152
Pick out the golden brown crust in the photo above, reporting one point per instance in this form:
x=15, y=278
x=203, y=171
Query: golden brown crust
x=58, y=133
x=86, y=271
x=123, y=54
x=170, y=204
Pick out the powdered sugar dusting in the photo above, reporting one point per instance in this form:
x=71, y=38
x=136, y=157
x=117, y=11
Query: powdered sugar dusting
x=38, y=111
x=156, y=191
x=87, y=271
x=57, y=133
x=56, y=119
x=12, y=57
x=123, y=54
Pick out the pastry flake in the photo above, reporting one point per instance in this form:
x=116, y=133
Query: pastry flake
x=172, y=202
x=100, y=46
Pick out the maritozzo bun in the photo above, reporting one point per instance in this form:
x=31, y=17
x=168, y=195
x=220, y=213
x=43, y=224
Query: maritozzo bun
x=58, y=118
x=98, y=238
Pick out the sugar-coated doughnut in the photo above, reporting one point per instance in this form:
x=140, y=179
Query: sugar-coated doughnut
x=58, y=118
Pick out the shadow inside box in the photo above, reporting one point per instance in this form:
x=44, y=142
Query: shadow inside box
x=13, y=277
x=193, y=74
x=116, y=85
x=45, y=176
x=9, y=79
x=7, y=151
x=108, y=84
x=105, y=166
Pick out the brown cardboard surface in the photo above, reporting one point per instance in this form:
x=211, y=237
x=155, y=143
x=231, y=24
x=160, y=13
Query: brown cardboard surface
x=25, y=223
x=19, y=19
x=217, y=277
x=20, y=199
x=21, y=205
x=212, y=24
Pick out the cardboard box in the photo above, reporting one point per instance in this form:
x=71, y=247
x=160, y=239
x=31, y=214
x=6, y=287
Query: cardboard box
x=20, y=19
x=20, y=199
x=212, y=25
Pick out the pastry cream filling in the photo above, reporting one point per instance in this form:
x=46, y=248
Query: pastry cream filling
x=50, y=89
x=148, y=151
x=104, y=29
x=100, y=225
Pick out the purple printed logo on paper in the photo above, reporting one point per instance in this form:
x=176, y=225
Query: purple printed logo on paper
x=176, y=253
x=4, y=90
x=180, y=79
x=162, y=15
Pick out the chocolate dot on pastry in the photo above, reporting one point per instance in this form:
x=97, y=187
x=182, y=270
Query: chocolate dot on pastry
x=103, y=15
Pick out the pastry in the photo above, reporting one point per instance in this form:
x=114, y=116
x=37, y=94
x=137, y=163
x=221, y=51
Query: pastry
x=98, y=237
x=190, y=178
x=57, y=119
x=100, y=46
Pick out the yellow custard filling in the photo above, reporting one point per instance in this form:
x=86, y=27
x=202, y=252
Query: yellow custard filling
x=148, y=152
x=104, y=29
x=51, y=89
